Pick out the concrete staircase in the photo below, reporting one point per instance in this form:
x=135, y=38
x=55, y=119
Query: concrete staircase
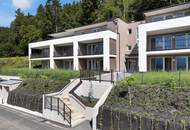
x=77, y=117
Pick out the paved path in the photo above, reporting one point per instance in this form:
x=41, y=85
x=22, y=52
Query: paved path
x=13, y=120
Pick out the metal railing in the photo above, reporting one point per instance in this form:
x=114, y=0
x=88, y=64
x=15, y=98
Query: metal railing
x=55, y=104
x=46, y=55
x=97, y=75
x=60, y=54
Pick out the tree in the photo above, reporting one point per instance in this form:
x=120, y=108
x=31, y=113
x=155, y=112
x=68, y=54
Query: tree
x=70, y=16
x=89, y=9
x=41, y=21
x=15, y=27
x=53, y=11
x=29, y=34
x=4, y=35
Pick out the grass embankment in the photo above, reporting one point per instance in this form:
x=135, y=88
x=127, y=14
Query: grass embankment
x=36, y=82
x=14, y=62
x=160, y=95
x=18, y=66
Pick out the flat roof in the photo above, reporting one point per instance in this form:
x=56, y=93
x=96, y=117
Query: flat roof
x=10, y=82
x=71, y=31
x=168, y=9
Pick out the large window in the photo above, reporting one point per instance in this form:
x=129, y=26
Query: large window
x=181, y=62
x=188, y=40
x=157, y=43
x=179, y=14
x=161, y=43
x=167, y=42
x=180, y=41
x=157, y=64
x=157, y=18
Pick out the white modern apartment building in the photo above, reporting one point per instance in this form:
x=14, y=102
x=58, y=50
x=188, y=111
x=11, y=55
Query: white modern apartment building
x=164, y=40
x=103, y=46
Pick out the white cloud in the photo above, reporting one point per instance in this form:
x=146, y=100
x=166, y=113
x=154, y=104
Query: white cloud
x=23, y=4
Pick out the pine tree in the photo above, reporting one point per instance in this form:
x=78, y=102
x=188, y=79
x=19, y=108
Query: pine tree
x=89, y=8
x=53, y=13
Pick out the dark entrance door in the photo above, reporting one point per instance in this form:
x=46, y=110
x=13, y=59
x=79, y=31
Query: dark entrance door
x=168, y=64
x=132, y=65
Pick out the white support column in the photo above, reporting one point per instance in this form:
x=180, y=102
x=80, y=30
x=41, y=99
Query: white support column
x=51, y=56
x=29, y=57
x=142, y=50
x=106, y=59
x=75, y=54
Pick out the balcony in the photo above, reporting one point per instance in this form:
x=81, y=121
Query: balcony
x=40, y=53
x=91, y=49
x=63, y=51
x=40, y=56
x=169, y=42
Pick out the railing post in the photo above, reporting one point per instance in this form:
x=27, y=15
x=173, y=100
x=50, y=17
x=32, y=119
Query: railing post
x=44, y=100
x=64, y=111
x=99, y=76
x=58, y=106
x=80, y=74
x=51, y=103
x=70, y=117
x=111, y=76
x=89, y=74
x=179, y=78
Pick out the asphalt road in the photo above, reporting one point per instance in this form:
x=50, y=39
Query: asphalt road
x=14, y=120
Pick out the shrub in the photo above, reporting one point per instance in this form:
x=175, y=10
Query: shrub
x=56, y=74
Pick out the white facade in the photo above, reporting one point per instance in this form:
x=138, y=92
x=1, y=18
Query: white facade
x=161, y=27
x=105, y=36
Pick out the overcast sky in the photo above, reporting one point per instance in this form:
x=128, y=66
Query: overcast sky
x=8, y=7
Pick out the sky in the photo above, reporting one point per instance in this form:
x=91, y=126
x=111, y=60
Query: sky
x=8, y=7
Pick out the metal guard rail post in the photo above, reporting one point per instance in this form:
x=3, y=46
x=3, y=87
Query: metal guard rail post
x=66, y=113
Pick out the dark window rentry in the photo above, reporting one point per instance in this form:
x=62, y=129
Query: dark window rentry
x=180, y=41
x=181, y=62
x=157, y=18
x=179, y=14
x=169, y=17
x=130, y=31
x=168, y=42
x=157, y=64
x=129, y=47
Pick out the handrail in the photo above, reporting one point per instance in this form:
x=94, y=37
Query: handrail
x=78, y=101
x=96, y=75
x=67, y=86
x=75, y=97
x=64, y=111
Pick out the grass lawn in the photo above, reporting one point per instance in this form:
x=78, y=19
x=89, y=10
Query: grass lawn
x=170, y=79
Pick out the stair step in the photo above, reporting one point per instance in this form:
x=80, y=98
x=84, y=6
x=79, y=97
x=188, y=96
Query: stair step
x=65, y=99
x=77, y=122
x=76, y=117
x=67, y=102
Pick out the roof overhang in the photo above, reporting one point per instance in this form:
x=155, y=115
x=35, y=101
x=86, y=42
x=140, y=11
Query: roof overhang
x=167, y=9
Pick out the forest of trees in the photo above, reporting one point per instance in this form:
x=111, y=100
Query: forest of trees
x=55, y=17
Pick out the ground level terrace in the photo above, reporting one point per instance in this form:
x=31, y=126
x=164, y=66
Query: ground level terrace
x=168, y=63
x=84, y=64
